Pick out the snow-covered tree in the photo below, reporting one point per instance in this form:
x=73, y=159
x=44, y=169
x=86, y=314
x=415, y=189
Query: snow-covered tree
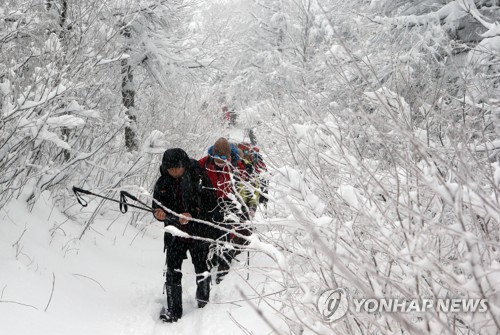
x=386, y=156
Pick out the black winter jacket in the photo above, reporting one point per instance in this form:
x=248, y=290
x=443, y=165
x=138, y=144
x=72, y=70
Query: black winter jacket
x=195, y=196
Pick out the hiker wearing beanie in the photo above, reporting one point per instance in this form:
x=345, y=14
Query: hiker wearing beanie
x=183, y=191
x=217, y=165
x=224, y=173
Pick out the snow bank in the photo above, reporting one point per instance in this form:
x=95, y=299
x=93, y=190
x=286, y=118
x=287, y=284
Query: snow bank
x=110, y=282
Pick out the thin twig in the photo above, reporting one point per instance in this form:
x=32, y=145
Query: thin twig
x=95, y=281
x=243, y=328
x=52, y=292
x=259, y=312
x=20, y=237
x=248, y=298
x=17, y=303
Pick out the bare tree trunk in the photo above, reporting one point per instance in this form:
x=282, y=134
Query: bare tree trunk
x=65, y=131
x=128, y=97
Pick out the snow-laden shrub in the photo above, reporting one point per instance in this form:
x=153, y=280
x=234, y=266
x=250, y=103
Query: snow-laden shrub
x=387, y=161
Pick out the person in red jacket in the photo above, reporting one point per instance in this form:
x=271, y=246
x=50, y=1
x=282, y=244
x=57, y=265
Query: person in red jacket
x=223, y=169
x=219, y=169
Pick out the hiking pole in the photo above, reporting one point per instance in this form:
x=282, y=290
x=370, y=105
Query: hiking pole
x=123, y=202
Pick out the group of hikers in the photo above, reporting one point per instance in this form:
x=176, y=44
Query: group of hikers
x=211, y=200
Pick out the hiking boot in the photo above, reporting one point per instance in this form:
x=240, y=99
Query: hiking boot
x=224, y=265
x=203, y=292
x=166, y=316
x=222, y=271
x=219, y=278
x=174, y=302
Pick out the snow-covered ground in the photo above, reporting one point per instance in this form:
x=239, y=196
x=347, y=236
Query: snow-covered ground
x=111, y=280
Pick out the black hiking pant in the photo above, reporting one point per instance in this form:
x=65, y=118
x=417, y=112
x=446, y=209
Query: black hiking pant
x=176, y=252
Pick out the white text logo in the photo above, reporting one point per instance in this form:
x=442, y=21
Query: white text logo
x=420, y=305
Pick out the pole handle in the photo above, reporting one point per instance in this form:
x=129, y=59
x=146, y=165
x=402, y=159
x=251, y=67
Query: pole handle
x=79, y=197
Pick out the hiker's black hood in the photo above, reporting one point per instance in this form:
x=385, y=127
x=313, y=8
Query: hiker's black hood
x=174, y=158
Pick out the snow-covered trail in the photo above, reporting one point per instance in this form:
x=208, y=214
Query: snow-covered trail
x=110, y=281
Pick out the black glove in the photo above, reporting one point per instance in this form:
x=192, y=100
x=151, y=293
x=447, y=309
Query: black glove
x=172, y=220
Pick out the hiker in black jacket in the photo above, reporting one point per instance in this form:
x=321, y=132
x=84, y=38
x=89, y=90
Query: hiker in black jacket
x=184, y=188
